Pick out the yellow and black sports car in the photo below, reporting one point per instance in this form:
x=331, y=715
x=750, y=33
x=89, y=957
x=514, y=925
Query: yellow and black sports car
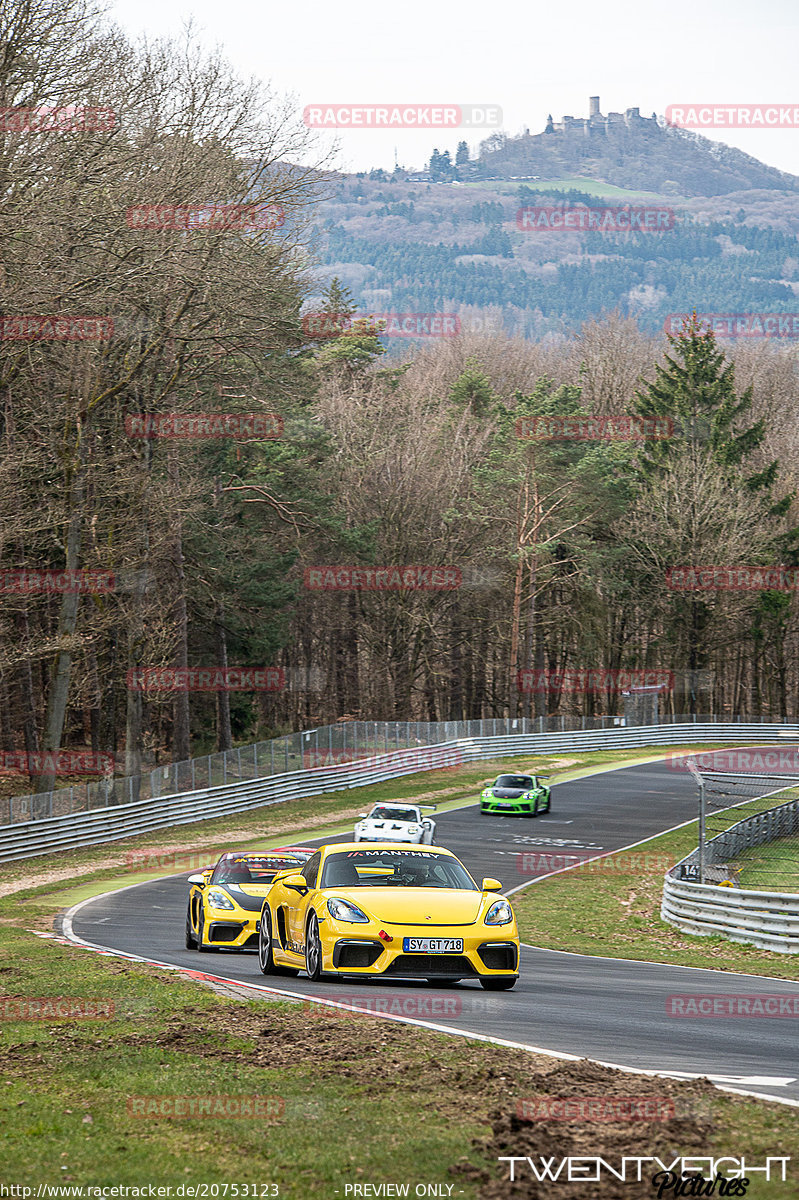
x=401, y=912
x=225, y=901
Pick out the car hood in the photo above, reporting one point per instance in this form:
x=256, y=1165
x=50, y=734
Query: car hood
x=367, y=824
x=412, y=906
x=249, y=896
x=510, y=793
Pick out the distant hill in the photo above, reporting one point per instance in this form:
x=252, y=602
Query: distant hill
x=630, y=151
x=414, y=243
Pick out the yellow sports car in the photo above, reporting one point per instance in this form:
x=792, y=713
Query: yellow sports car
x=398, y=912
x=225, y=901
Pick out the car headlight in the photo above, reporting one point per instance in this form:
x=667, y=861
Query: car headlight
x=343, y=910
x=486, y=795
x=218, y=899
x=499, y=913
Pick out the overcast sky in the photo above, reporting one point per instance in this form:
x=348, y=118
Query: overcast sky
x=528, y=57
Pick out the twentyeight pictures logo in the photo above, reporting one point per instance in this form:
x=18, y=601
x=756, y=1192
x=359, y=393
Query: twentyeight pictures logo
x=548, y=218
x=402, y=116
x=733, y=116
x=387, y=324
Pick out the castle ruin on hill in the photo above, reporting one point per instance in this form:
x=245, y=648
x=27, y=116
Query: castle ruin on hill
x=596, y=123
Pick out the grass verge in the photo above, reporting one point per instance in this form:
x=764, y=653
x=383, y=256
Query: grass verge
x=349, y=1099
x=611, y=907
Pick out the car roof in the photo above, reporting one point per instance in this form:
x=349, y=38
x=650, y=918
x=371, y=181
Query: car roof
x=403, y=846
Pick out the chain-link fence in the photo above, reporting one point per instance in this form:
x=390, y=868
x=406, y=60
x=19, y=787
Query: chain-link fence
x=748, y=827
x=346, y=741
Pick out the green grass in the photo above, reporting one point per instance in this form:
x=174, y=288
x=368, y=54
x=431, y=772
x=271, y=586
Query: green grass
x=612, y=908
x=352, y=1099
x=773, y=867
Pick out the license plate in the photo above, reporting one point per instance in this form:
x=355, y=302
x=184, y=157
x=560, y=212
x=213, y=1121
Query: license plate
x=501, y=805
x=433, y=945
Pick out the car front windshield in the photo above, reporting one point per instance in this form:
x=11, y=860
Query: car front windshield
x=251, y=868
x=395, y=868
x=515, y=781
x=382, y=813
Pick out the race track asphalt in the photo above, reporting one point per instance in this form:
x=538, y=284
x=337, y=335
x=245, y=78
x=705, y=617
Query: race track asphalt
x=612, y=1010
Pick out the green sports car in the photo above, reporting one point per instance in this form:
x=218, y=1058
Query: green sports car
x=523, y=795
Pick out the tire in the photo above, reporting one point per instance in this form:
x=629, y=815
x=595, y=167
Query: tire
x=201, y=931
x=496, y=983
x=549, y=804
x=265, y=958
x=190, y=942
x=313, y=950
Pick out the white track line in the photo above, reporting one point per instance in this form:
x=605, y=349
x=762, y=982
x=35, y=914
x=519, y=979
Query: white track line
x=75, y=939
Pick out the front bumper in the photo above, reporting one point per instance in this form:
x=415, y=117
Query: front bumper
x=487, y=951
x=413, y=839
x=508, y=807
x=232, y=933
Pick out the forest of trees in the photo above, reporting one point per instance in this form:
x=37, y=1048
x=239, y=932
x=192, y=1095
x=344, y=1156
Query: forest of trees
x=560, y=549
x=440, y=255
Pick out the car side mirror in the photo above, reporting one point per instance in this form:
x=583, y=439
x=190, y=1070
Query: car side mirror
x=297, y=882
x=197, y=880
x=491, y=885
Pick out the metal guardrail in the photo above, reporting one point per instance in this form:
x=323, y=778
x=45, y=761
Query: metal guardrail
x=766, y=919
x=346, y=741
x=72, y=830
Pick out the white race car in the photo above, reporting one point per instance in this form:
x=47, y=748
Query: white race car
x=397, y=823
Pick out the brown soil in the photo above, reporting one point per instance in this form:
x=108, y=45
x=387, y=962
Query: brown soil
x=451, y=1077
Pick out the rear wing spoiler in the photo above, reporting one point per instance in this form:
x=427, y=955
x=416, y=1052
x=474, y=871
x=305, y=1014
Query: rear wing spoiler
x=430, y=807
